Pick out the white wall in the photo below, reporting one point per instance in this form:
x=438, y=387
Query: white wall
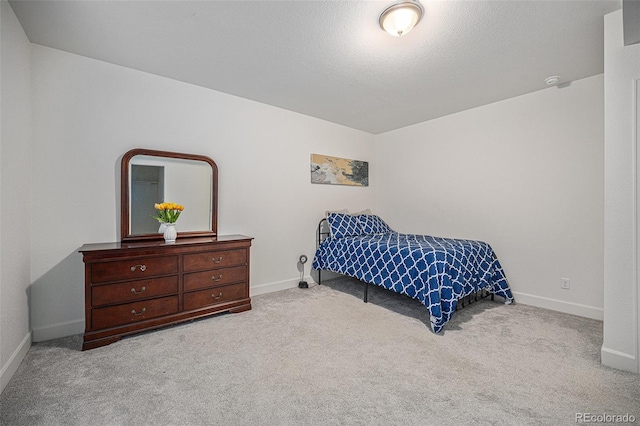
x=622, y=74
x=15, y=195
x=87, y=114
x=524, y=175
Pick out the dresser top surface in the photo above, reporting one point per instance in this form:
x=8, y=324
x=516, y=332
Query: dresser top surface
x=160, y=243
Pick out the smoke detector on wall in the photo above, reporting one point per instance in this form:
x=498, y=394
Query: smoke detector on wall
x=554, y=79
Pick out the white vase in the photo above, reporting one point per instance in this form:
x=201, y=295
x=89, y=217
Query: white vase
x=163, y=226
x=170, y=233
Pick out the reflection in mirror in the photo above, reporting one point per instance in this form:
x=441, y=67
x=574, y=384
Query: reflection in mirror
x=149, y=177
x=147, y=187
x=156, y=180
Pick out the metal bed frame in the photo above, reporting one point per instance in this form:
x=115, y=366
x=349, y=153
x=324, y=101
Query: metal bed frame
x=323, y=233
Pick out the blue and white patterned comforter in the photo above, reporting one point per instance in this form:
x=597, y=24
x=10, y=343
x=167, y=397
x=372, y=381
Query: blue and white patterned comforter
x=436, y=271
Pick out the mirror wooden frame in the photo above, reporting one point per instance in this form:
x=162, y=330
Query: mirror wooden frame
x=125, y=186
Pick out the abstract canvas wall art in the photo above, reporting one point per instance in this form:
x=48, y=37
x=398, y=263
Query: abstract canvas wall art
x=339, y=171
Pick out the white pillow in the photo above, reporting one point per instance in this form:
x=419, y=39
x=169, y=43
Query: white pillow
x=328, y=212
x=346, y=211
x=365, y=211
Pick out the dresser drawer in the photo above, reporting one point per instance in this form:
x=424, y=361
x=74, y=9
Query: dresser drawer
x=215, y=296
x=139, y=286
x=129, y=313
x=214, y=259
x=109, y=294
x=216, y=277
x=131, y=269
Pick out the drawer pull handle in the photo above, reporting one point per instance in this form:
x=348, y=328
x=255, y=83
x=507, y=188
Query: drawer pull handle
x=217, y=297
x=216, y=279
x=134, y=291
x=133, y=311
x=142, y=267
x=214, y=260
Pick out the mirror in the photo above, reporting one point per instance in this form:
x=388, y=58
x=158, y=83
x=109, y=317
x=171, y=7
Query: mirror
x=149, y=177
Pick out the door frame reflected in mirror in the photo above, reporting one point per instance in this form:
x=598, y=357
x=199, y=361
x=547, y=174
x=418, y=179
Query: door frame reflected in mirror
x=125, y=192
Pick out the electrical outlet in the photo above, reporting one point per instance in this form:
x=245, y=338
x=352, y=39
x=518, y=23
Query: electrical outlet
x=565, y=283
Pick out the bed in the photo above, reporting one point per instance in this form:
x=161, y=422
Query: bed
x=441, y=273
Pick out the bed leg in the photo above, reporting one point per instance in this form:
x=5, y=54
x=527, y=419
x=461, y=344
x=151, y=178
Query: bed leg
x=319, y=276
x=366, y=292
x=492, y=297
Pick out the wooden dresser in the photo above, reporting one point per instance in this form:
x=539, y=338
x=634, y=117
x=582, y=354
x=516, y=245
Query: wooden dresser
x=133, y=287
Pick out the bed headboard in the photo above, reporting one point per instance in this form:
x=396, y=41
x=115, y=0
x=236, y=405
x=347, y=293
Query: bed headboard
x=322, y=232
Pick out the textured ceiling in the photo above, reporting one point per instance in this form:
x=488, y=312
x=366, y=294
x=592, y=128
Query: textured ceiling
x=330, y=59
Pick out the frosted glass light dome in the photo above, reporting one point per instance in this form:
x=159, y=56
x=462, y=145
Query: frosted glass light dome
x=400, y=18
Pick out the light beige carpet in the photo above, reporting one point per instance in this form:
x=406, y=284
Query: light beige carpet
x=321, y=356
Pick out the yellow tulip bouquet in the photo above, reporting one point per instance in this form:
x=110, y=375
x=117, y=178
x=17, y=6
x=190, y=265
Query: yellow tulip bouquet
x=168, y=212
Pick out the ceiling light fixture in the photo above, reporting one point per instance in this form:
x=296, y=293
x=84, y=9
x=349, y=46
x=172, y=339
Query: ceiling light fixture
x=399, y=18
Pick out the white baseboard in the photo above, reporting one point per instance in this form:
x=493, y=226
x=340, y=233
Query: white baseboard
x=10, y=368
x=58, y=330
x=277, y=286
x=77, y=327
x=560, y=305
x=619, y=360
